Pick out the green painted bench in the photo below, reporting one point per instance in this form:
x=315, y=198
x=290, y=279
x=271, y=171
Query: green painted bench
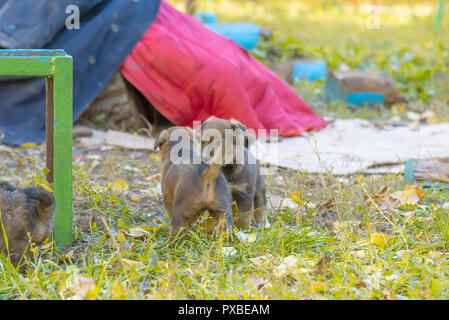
x=57, y=68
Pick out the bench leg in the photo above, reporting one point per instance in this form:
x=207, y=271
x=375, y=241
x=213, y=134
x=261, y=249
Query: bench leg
x=59, y=145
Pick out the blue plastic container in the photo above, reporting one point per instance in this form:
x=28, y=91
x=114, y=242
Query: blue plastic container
x=245, y=34
x=365, y=98
x=206, y=17
x=309, y=70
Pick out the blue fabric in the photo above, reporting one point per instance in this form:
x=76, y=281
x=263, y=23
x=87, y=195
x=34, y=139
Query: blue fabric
x=246, y=34
x=109, y=30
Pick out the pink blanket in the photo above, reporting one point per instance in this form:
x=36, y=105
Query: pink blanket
x=190, y=73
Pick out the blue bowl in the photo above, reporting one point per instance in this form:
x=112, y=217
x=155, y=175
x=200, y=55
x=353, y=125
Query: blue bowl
x=245, y=34
x=309, y=70
x=206, y=17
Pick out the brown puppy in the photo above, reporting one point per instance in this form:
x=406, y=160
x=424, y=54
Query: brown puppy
x=190, y=188
x=240, y=168
x=24, y=211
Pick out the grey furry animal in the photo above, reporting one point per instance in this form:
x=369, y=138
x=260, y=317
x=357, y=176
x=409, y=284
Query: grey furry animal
x=25, y=213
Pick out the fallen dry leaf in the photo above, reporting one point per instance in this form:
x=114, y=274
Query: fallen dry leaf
x=413, y=116
x=94, y=164
x=325, y=207
x=137, y=233
x=6, y=150
x=257, y=281
x=68, y=255
x=82, y=287
x=228, y=251
x=131, y=263
x=359, y=253
x=135, y=199
x=28, y=145
x=430, y=116
x=245, y=237
x=288, y=266
x=410, y=195
x=154, y=176
x=262, y=260
x=128, y=140
x=321, y=266
x=118, y=186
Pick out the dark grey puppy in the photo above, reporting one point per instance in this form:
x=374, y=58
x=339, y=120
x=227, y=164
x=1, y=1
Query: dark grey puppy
x=244, y=179
x=24, y=211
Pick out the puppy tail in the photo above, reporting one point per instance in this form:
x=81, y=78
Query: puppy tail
x=45, y=200
x=212, y=169
x=210, y=173
x=209, y=177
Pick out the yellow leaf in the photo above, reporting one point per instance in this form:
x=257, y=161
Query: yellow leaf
x=410, y=195
x=135, y=199
x=398, y=108
x=118, y=186
x=296, y=196
x=131, y=263
x=360, y=179
x=319, y=287
x=118, y=291
x=28, y=145
x=92, y=294
x=379, y=239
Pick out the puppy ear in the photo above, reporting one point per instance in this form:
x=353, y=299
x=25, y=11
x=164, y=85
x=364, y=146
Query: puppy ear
x=237, y=125
x=7, y=186
x=163, y=138
x=45, y=200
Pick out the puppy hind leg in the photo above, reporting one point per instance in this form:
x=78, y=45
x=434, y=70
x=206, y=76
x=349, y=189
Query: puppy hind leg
x=260, y=216
x=177, y=222
x=224, y=220
x=245, y=206
x=260, y=202
x=259, y=212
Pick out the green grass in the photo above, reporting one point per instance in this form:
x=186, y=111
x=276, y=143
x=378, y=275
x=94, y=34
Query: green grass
x=411, y=265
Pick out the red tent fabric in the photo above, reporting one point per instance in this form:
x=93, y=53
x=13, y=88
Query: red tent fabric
x=190, y=73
